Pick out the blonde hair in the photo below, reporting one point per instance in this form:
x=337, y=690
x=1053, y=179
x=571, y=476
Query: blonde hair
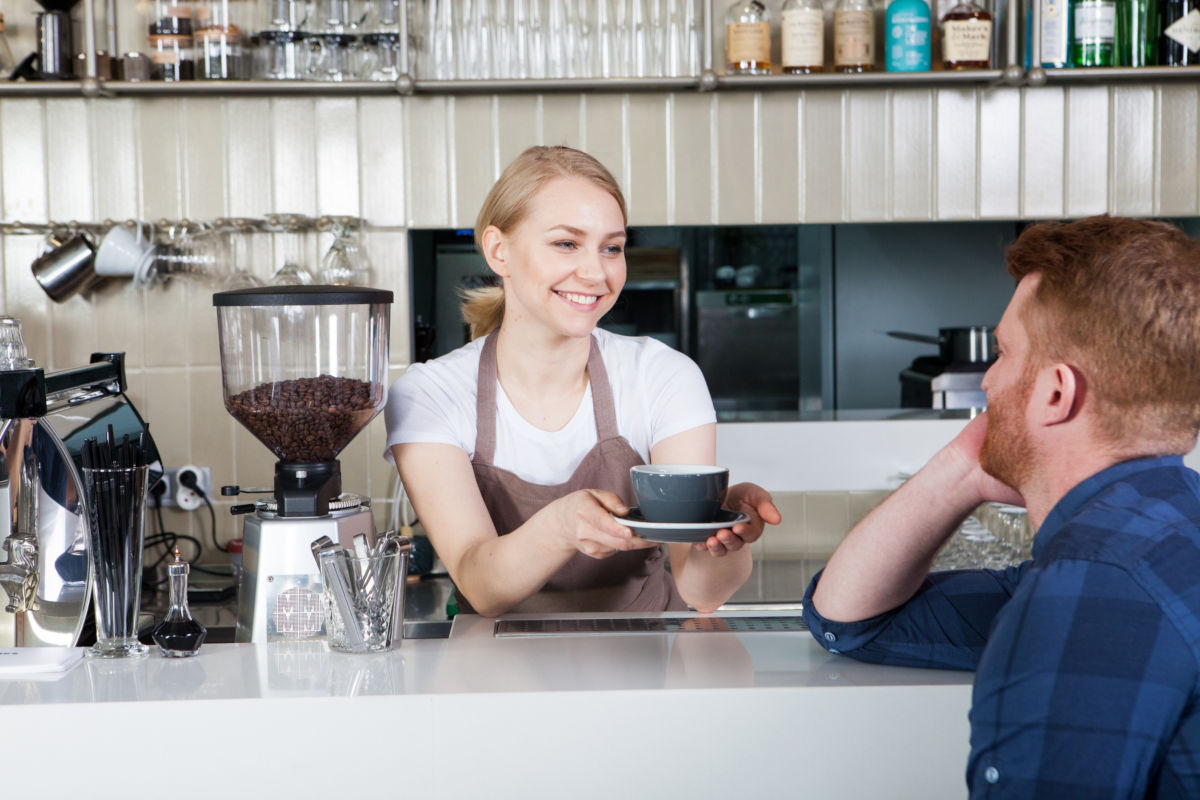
x=507, y=204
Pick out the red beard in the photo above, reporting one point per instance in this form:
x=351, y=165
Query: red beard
x=1006, y=454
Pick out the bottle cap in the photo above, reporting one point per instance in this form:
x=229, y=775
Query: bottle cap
x=178, y=566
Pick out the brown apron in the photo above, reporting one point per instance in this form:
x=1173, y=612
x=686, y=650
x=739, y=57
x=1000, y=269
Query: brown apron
x=635, y=580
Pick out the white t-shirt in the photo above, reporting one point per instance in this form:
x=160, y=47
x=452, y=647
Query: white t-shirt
x=658, y=392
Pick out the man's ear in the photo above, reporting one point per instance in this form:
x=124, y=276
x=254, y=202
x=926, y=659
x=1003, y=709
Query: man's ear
x=494, y=245
x=1058, y=394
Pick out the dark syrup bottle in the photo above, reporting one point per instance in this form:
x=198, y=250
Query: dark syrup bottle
x=178, y=635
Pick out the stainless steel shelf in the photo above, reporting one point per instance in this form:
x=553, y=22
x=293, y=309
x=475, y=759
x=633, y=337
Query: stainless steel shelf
x=848, y=80
x=540, y=85
x=1120, y=74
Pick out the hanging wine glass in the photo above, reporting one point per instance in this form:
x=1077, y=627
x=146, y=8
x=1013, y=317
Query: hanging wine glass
x=346, y=262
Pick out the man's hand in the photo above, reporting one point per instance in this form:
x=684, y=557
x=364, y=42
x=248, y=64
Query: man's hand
x=966, y=448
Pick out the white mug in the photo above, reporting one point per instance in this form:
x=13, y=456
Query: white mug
x=123, y=249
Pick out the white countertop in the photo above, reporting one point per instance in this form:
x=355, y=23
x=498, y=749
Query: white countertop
x=685, y=714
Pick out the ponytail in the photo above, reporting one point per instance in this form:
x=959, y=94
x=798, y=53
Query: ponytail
x=482, y=309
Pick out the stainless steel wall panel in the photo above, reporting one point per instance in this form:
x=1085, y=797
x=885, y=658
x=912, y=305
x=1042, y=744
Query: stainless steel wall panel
x=692, y=153
x=868, y=154
x=23, y=159
x=606, y=133
x=116, y=181
x=247, y=134
x=382, y=170
x=1178, y=167
x=159, y=132
x=1000, y=154
x=1087, y=150
x=822, y=146
x=911, y=155
x=1042, y=134
x=474, y=155
x=738, y=158
x=561, y=119
x=293, y=155
x=1133, y=150
x=337, y=156
x=427, y=156
x=779, y=141
x=204, y=170
x=69, y=164
x=956, y=179
x=517, y=126
x=24, y=298
x=646, y=192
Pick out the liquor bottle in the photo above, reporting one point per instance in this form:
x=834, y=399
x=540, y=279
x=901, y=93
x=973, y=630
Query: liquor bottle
x=747, y=39
x=178, y=635
x=7, y=62
x=1055, y=33
x=967, y=37
x=1093, y=42
x=1179, y=45
x=908, y=42
x=802, y=29
x=1137, y=33
x=853, y=36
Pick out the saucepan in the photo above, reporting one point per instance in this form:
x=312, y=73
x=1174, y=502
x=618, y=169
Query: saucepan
x=975, y=344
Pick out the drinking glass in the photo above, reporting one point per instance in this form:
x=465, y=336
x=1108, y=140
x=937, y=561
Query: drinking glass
x=345, y=263
x=116, y=504
x=292, y=272
x=363, y=600
x=380, y=57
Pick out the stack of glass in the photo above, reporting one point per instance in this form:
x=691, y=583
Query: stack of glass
x=489, y=39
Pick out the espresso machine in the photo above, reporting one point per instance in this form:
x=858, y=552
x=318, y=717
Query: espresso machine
x=304, y=369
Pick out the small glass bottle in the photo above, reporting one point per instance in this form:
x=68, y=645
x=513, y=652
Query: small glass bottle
x=853, y=36
x=747, y=39
x=1179, y=22
x=178, y=635
x=1093, y=42
x=907, y=46
x=967, y=37
x=802, y=31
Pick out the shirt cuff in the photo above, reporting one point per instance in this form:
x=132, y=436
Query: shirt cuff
x=840, y=637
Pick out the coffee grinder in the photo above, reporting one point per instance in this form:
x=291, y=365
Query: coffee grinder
x=304, y=369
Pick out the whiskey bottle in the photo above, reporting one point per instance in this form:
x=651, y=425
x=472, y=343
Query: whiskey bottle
x=802, y=30
x=1179, y=45
x=747, y=39
x=966, y=37
x=853, y=36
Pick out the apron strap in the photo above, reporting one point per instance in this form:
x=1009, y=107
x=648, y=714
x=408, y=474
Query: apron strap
x=604, y=409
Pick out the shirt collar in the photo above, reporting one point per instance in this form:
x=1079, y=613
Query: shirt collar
x=1065, y=509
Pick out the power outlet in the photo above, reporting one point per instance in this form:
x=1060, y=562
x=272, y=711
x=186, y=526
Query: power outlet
x=179, y=496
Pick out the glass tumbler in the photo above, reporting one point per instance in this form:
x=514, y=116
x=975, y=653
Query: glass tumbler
x=363, y=598
x=116, y=506
x=380, y=57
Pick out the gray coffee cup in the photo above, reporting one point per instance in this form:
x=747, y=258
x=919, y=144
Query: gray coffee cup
x=679, y=492
x=66, y=268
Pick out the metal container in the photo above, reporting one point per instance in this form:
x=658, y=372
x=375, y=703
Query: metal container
x=975, y=344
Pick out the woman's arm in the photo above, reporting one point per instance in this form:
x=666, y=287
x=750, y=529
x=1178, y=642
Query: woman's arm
x=708, y=573
x=496, y=572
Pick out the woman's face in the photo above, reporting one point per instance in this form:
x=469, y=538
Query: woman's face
x=564, y=263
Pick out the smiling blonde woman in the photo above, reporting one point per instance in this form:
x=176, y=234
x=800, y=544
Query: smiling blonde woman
x=515, y=449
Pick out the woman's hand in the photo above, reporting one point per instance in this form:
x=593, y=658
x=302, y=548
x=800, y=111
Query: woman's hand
x=587, y=524
x=756, y=502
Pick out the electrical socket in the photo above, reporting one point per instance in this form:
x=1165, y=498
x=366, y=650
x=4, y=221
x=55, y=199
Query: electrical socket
x=178, y=496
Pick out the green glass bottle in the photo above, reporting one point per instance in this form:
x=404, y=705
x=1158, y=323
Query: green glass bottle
x=1137, y=33
x=1093, y=42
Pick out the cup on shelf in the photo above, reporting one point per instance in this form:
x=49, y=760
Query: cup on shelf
x=124, y=249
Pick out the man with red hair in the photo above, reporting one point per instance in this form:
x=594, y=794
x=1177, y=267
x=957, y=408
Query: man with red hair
x=1087, y=657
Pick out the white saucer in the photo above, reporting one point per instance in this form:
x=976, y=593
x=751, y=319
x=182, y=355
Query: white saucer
x=672, y=532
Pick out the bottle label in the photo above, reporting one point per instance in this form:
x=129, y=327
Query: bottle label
x=966, y=40
x=803, y=37
x=747, y=41
x=853, y=37
x=1095, y=22
x=1186, y=30
x=1054, y=32
x=908, y=42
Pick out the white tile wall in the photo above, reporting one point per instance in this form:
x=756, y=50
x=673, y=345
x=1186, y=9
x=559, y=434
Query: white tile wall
x=824, y=155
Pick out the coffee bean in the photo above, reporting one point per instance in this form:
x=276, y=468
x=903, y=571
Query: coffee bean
x=306, y=420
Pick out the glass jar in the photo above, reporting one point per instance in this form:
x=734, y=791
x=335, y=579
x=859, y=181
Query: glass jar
x=171, y=58
x=170, y=19
x=220, y=43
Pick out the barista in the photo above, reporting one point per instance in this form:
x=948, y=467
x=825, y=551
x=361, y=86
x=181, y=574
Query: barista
x=515, y=449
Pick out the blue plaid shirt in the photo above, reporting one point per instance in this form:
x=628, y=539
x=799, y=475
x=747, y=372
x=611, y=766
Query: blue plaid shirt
x=1087, y=658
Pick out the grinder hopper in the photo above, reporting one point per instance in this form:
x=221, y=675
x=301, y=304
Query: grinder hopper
x=304, y=369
